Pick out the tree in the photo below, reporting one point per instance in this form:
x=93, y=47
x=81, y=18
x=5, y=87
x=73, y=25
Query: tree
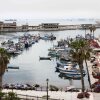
x=92, y=29
x=8, y=96
x=87, y=56
x=79, y=54
x=1, y=95
x=11, y=96
x=4, y=60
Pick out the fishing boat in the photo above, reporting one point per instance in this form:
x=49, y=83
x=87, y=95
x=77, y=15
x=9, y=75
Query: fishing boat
x=60, y=63
x=73, y=73
x=48, y=37
x=10, y=66
x=65, y=66
x=18, y=52
x=72, y=70
x=11, y=50
x=53, y=54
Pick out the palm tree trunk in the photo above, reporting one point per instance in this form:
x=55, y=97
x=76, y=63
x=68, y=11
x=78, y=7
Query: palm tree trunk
x=88, y=73
x=82, y=77
x=1, y=74
x=0, y=82
x=81, y=71
x=93, y=35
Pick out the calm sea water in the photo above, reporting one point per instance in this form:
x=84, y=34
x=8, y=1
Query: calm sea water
x=31, y=69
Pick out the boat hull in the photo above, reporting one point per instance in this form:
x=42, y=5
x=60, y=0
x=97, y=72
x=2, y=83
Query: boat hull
x=45, y=58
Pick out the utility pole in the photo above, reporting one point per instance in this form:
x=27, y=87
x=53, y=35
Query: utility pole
x=47, y=87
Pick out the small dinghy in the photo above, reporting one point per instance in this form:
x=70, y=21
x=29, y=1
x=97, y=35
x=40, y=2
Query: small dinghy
x=9, y=66
x=45, y=58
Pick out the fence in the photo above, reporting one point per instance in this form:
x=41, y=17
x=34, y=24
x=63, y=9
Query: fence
x=28, y=97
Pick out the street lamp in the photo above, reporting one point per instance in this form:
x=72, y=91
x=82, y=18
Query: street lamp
x=47, y=87
x=85, y=29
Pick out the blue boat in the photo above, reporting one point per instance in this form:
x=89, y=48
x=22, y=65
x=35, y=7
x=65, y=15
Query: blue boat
x=73, y=74
x=53, y=54
x=68, y=66
x=48, y=37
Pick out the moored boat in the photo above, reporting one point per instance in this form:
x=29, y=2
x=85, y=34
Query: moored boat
x=74, y=74
x=48, y=37
x=53, y=54
x=45, y=58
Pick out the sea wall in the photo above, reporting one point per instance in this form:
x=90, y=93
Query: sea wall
x=37, y=28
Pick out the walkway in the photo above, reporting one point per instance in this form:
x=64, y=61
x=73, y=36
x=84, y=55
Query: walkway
x=96, y=96
x=54, y=95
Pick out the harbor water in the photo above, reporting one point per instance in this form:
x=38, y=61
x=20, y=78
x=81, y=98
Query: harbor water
x=34, y=71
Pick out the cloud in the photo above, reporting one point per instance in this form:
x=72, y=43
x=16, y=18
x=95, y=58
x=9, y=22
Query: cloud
x=49, y=8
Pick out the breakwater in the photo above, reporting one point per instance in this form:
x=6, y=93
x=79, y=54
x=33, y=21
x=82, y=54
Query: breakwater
x=24, y=28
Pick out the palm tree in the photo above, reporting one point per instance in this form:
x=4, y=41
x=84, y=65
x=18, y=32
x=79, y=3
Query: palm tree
x=92, y=29
x=4, y=60
x=87, y=56
x=79, y=54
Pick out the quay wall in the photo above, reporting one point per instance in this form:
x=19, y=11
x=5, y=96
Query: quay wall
x=37, y=28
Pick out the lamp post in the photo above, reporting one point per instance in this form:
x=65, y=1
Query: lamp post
x=85, y=29
x=47, y=87
x=85, y=32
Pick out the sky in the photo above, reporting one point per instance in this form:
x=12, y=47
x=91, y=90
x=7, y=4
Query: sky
x=49, y=9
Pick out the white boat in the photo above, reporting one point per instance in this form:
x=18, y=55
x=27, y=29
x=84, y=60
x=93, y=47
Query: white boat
x=70, y=68
x=17, y=52
x=73, y=74
x=11, y=50
x=11, y=66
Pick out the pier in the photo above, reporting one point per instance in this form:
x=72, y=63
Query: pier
x=12, y=27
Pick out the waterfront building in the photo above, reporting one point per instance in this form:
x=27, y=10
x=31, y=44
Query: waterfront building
x=86, y=26
x=1, y=25
x=8, y=26
x=49, y=25
x=25, y=27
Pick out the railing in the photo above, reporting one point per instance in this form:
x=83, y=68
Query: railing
x=28, y=97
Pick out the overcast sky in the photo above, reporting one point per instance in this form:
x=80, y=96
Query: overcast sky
x=49, y=8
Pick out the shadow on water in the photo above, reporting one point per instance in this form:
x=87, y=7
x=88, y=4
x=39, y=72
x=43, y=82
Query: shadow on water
x=63, y=76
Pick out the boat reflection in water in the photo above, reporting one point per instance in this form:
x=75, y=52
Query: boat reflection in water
x=70, y=76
